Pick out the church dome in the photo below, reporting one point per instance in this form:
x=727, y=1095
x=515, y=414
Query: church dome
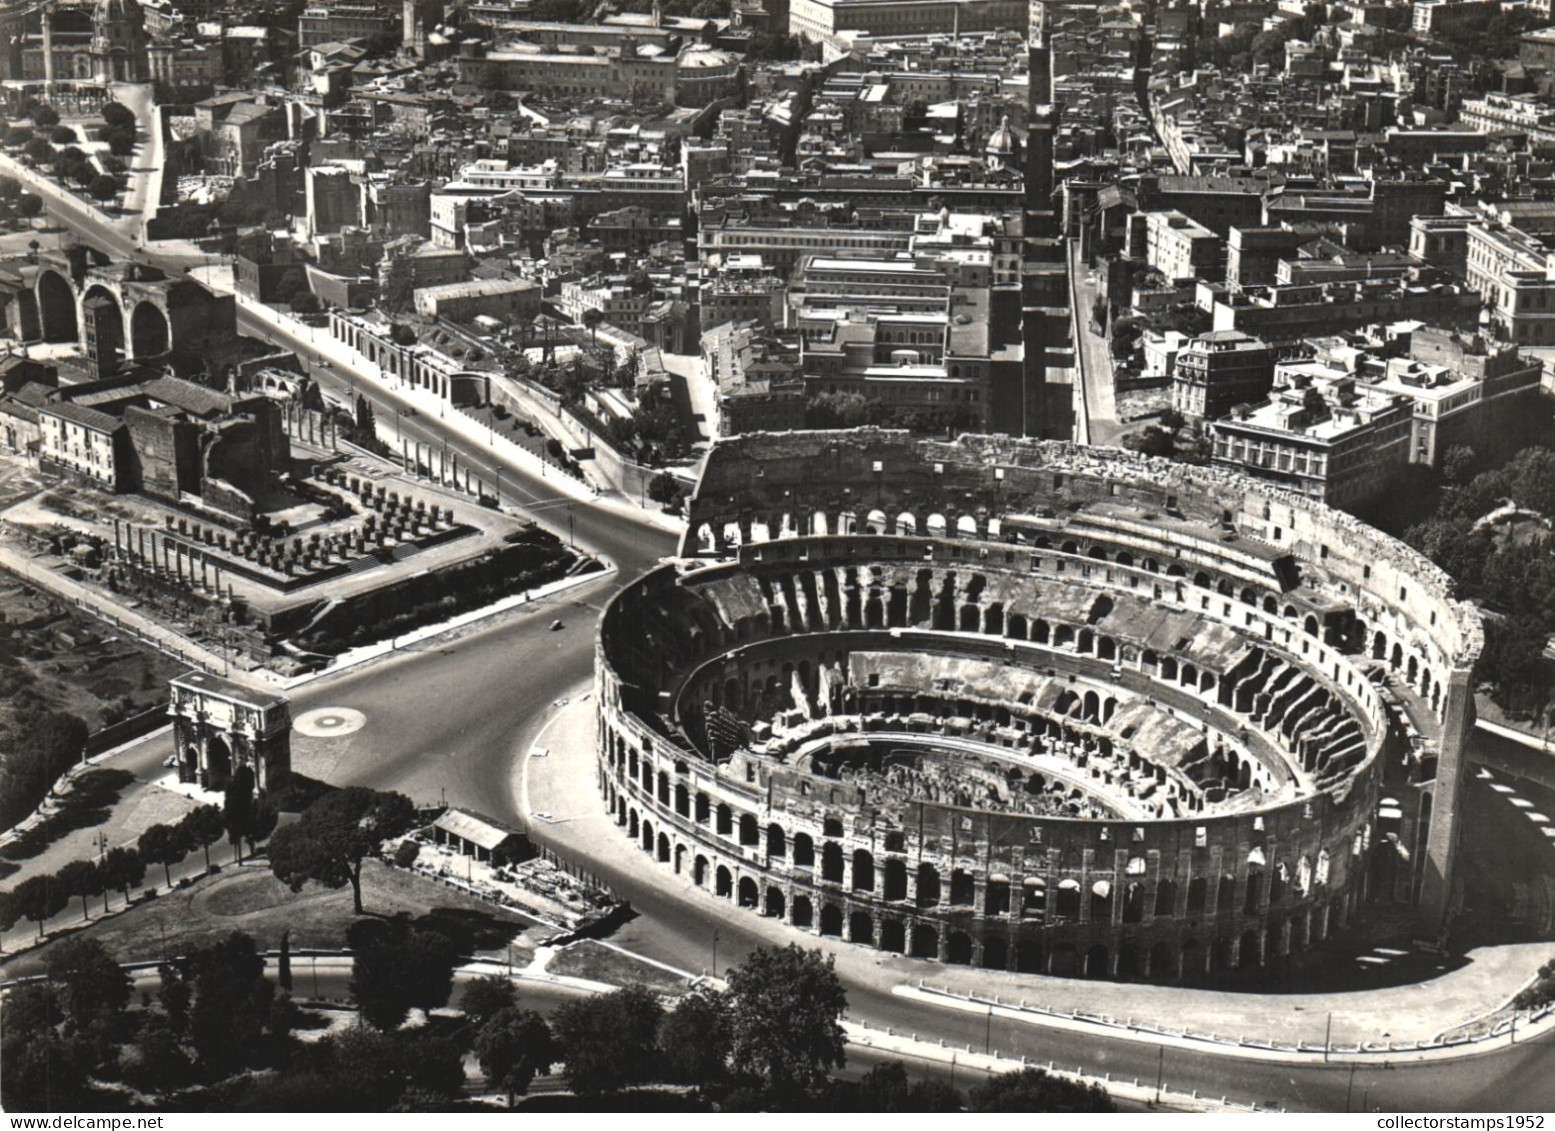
x=1001, y=143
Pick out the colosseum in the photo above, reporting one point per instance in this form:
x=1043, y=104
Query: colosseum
x=1036, y=707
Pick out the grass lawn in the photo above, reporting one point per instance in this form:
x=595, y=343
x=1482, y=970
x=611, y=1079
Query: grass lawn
x=588, y=959
x=250, y=899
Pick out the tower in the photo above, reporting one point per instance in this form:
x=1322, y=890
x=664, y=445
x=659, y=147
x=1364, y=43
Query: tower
x=102, y=333
x=118, y=48
x=416, y=16
x=1041, y=407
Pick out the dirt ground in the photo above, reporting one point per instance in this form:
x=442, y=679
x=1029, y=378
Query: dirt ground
x=73, y=661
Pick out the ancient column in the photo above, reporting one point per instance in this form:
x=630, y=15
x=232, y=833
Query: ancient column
x=48, y=49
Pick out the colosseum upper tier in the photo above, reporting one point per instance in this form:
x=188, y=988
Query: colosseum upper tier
x=1037, y=707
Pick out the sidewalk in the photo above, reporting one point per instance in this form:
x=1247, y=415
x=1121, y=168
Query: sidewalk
x=560, y=795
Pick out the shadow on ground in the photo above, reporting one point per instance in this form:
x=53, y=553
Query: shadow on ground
x=88, y=804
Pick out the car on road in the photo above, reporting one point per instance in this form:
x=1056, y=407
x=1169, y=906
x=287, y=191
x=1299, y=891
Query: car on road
x=556, y=626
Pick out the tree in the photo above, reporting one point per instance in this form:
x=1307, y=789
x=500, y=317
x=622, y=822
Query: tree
x=160, y=1064
x=592, y=317
x=39, y=151
x=17, y=136
x=368, y=1070
x=765, y=46
x=664, y=488
x=80, y=877
x=121, y=140
x=92, y=985
x=10, y=910
x=175, y=994
x=366, y=422
x=335, y=834
x=123, y=869
x=48, y=744
x=1151, y=441
x=63, y=135
x=694, y=1039
x=203, y=827
x=231, y=1003
x=306, y=302
x=40, y=898
x=786, y=1007
x=103, y=187
x=291, y=283
x=44, y=116
x=886, y=1088
x=1459, y=463
x=30, y=206
x=165, y=845
x=1032, y=1089
x=486, y=997
x=1513, y=664
x=513, y=1047
x=398, y=967
x=40, y=1070
x=73, y=164
x=118, y=114
x=608, y=1043
x=237, y=809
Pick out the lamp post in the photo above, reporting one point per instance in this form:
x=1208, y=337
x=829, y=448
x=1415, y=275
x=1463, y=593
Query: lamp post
x=715, y=956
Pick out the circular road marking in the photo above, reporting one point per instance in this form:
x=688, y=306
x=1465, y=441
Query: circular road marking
x=330, y=722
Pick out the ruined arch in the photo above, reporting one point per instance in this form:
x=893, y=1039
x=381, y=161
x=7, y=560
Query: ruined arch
x=56, y=308
x=149, y=331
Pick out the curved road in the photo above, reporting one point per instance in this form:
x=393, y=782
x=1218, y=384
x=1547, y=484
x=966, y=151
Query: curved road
x=459, y=717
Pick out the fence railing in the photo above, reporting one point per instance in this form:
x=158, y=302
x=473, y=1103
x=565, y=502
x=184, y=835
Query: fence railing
x=1299, y=1047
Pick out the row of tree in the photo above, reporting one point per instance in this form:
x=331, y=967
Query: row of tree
x=242, y=817
x=772, y=1040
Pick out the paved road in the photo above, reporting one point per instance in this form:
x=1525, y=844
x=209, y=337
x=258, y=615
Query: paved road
x=453, y=716
x=1101, y=413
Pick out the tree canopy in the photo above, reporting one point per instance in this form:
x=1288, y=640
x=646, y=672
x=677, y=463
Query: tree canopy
x=1032, y=1089
x=786, y=1007
x=608, y=1043
x=514, y=1046
x=335, y=835
x=399, y=966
